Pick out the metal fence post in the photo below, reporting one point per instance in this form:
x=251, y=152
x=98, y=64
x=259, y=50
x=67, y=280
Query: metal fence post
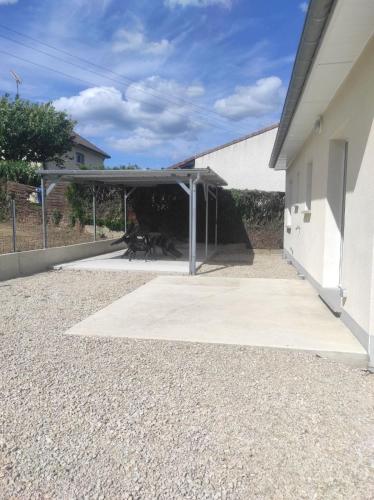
x=206, y=192
x=14, y=227
x=44, y=213
x=216, y=222
x=94, y=211
x=125, y=209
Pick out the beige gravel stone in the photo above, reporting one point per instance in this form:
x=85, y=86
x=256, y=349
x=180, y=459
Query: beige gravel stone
x=119, y=418
x=244, y=264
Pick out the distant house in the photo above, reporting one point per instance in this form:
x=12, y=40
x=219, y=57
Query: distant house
x=325, y=142
x=243, y=162
x=83, y=153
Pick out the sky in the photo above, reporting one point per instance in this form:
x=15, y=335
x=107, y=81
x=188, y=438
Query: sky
x=153, y=81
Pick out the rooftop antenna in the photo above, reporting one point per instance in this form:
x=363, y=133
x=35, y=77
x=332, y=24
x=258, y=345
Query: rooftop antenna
x=18, y=81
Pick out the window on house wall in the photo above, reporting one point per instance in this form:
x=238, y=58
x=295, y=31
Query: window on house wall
x=297, y=190
x=79, y=158
x=309, y=184
x=289, y=201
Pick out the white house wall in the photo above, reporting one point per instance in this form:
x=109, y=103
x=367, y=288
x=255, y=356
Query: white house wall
x=311, y=238
x=245, y=165
x=91, y=159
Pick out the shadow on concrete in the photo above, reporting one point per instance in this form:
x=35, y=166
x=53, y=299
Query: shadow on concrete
x=229, y=256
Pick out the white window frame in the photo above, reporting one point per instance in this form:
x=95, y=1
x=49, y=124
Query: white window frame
x=296, y=201
x=289, y=202
x=308, y=188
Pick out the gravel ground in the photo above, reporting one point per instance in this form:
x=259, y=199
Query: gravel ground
x=246, y=265
x=115, y=418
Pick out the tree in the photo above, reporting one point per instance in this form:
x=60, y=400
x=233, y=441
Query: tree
x=33, y=132
x=130, y=166
x=19, y=171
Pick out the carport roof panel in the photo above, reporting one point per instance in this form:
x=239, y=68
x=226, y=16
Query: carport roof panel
x=135, y=177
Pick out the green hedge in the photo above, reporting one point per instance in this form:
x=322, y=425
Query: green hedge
x=244, y=213
x=251, y=217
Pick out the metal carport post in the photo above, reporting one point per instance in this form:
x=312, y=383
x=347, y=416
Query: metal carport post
x=193, y=183
x=126, y=196
x=192, y=220
x=191, y=191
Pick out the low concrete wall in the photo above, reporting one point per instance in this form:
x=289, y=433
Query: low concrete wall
x=14, y=265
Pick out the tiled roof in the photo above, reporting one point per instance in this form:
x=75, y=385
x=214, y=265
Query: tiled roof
x=81, y=141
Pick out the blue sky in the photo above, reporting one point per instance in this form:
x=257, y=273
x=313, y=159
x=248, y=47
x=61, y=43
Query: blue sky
x=154, y=81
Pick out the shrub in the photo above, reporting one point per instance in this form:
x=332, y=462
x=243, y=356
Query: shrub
x=243, y=213
x=56, y=216
x=71, y=220
x=19, y=171
x=78, y=198
x=113, y=224
x=4, y=204
x=108, y=205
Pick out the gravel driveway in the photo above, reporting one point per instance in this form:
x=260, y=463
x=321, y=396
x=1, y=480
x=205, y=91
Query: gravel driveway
x=114, y=418
x=242, y=264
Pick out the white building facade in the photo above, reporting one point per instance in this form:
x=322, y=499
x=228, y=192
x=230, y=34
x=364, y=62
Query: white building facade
x=326, y=145
x=243, y=163
x=83, y=154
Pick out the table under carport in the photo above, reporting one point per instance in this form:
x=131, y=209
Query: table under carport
x=128, y=180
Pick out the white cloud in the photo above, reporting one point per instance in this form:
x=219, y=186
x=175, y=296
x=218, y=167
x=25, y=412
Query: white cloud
x=261, y=99
x=197, y=3
x=303, y=6
x=97, y=106
x=141, y=140
x=136, y=41
x=150, y=113
x=196, y=90
x=8, y=2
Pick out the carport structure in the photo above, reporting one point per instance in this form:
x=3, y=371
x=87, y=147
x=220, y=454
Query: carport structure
x=129, y=180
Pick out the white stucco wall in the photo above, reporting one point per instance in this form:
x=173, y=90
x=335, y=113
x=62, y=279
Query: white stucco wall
x=245, y=165
x=92, y=159
x=313, y=239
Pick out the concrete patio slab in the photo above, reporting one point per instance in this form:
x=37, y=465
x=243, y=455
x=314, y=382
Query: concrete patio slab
x=273, y=313
x=113, y=261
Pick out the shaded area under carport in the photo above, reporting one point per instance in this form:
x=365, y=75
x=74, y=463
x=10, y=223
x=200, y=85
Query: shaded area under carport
x=188, y=180
x=115, y=262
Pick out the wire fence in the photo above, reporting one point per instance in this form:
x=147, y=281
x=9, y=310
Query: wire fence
x=21, y=226
x=255, y=218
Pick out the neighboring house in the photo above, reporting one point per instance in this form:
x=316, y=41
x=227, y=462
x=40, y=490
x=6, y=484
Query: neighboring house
x=325, y=142
x=243, y=163
x=83, y=153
